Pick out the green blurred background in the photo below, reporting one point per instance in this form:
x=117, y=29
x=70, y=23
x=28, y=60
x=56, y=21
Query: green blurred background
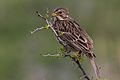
x=20, y=52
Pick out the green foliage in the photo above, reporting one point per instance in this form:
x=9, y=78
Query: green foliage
x=62, y=54
x=46, y=26
x=60, y=33
x=105, y=79
x=62, y=51
x=47, y=16
x=51, y=26
x=79, y=58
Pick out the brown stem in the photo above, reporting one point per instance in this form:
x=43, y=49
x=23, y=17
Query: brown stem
x=83, y=71
x=79, y=65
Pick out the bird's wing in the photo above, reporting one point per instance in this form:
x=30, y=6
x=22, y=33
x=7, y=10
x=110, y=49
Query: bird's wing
x=74, y=35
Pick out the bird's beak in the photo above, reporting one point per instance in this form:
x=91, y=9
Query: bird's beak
x=54, y=14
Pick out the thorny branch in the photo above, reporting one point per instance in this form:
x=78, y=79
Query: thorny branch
x=49, y=25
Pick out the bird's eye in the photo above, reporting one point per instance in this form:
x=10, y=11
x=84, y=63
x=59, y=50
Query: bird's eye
x=60, y=12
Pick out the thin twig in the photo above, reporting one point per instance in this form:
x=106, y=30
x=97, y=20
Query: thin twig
x=37, y=29
x=40, y=15
x=58, y=38
x=47, y=55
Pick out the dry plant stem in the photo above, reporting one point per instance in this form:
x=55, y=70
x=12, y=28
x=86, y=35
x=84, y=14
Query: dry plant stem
x=84, y=73
x=49, y=55
x=37, y=29
x=58, y=38
x=80, y=67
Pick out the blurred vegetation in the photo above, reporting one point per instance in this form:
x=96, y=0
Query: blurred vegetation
x=20, y=52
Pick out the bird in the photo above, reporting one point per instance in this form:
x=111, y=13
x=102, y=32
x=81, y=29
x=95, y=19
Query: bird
x=74, y=37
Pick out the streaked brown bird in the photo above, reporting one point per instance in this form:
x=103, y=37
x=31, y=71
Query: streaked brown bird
x=73, y=37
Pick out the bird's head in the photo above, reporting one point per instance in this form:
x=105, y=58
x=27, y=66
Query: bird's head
x=60, y=13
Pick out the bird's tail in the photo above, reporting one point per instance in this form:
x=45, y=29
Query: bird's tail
x=96, y=70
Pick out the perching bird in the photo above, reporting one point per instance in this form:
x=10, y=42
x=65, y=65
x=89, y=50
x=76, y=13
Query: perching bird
x=73, y=37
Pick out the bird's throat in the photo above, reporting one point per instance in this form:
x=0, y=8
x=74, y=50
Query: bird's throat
x=60, y=18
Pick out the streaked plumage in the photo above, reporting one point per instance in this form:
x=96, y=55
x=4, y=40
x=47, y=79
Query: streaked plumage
x=74, y=38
